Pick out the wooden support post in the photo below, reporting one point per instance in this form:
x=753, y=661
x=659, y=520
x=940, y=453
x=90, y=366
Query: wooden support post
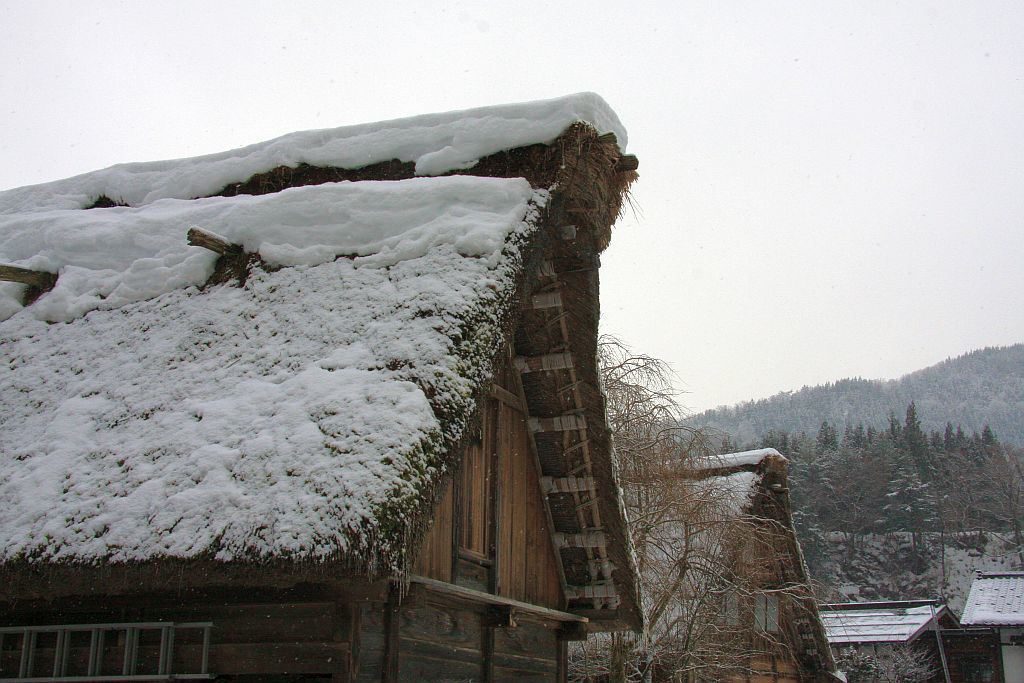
x=198, y=237
x=550, y=361
x=391, y=637
x=627, y=162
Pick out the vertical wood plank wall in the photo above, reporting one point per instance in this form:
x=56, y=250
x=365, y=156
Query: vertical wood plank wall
x=527, y=568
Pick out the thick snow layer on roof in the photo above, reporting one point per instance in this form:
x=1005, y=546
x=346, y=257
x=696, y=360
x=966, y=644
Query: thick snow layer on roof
x=110, y=257
x=437, y=143
x=291, y=417
x=995, y=600
x=729, y=460
x=881, y=625
x=732, y=492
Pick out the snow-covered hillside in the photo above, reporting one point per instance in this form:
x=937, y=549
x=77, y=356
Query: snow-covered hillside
x=893, y=567
x=977, y=388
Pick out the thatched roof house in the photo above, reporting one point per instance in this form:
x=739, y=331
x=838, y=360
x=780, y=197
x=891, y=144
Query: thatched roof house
x=773, y=613
x=243, y=371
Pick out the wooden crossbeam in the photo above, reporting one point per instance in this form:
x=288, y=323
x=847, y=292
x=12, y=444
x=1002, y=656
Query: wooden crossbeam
x=567, y=484
x=27, y=276
x=602, y=565
x=594, y=590
x=588, y=538
x=550, y=361
x=546, y=300
x=558, y=423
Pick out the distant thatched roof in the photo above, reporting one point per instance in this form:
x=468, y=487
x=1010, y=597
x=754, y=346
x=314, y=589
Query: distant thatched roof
x=755, y=486
x=307, y=419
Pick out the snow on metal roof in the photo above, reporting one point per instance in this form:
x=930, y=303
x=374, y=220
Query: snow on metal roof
x=995, y=599
x=877, y=623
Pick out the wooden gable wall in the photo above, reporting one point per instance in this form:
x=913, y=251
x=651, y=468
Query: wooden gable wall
x=490, y=531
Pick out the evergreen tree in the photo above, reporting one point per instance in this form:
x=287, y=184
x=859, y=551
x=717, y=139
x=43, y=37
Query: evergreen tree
x=949, y=439
x=895, y=428
x=827, y=441
x=988, y=438
x=914, y=442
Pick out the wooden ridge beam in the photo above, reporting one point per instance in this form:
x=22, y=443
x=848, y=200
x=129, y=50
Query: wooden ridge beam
x=558, y=423
x=550, y=361
x=567, y=484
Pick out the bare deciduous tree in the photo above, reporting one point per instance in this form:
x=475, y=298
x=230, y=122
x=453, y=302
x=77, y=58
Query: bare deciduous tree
x=688, y=539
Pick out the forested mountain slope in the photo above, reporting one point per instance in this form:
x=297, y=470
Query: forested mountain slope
x=977, y=388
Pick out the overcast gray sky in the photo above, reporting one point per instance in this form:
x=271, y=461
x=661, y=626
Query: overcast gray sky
x=827, y=189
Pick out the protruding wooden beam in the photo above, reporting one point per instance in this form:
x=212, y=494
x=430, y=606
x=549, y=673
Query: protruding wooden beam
x=546, y=300
x=572, y=632
x=588, y=538
x=608, y=137
x=26, y=276
x=559, y=423
x=567, y=484
x=551, y=361
x=198, y=237
x=567, y=232
x=627, y=162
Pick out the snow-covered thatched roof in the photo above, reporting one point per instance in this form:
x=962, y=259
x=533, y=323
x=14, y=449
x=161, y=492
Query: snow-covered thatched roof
x=995, y=599
x=309, y=414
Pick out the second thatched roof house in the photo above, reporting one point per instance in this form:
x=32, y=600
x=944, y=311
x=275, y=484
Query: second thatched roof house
x=322, y=407
x=769, y=617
